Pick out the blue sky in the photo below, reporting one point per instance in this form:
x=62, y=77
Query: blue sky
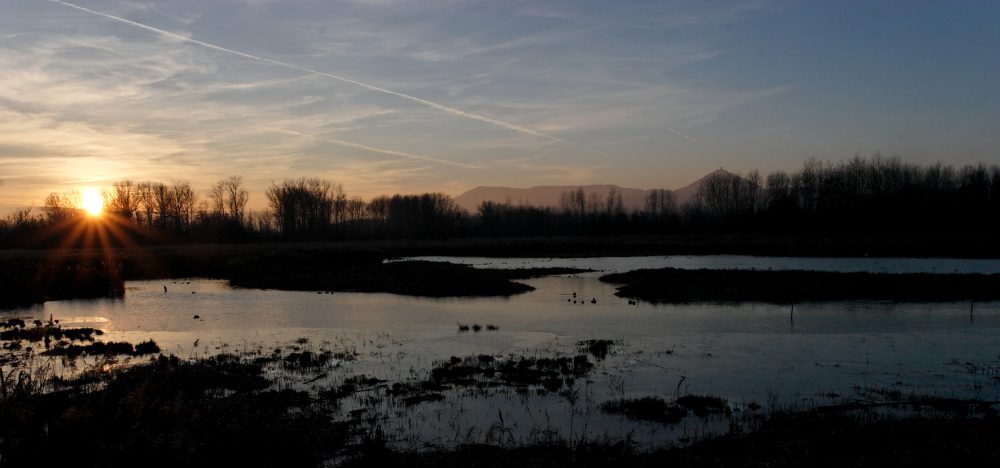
x=519, y=93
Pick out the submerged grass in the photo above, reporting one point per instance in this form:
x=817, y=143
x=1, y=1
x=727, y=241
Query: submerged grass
x=50, y=332
x=517, y=371
x=59, y=341
x=101, y=348
x=657, y=409
x=597, y=348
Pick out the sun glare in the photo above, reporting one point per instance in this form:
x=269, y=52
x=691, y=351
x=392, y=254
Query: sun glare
x=92, y=202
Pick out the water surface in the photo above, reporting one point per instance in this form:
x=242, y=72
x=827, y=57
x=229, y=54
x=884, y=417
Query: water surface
x=751, y=352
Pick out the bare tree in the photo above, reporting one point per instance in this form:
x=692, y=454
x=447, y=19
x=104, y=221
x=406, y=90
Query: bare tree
x=238, y=197
x=378, y=208
x=574, y=202
x=147, y=202
x=229, y=199
x=356, y=208
x=60, y=206
x=661, y=203
x=594, y=204
x=184, y=201
x=303, y=206
x=217, y=194
x=123, y=199
x=614, y=205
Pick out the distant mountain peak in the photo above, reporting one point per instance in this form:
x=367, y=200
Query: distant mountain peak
x=549, y=195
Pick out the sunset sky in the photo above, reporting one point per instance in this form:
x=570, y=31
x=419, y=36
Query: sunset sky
x=444, y=95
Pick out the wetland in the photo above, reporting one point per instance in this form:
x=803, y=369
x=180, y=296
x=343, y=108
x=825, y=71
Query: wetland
x=563, y=366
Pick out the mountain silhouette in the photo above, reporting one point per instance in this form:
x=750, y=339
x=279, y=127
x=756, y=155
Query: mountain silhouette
x=687, y=192
x=549, y=195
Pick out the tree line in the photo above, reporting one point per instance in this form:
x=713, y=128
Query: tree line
x=860, y=195
x=876, y=195
x=298, y=209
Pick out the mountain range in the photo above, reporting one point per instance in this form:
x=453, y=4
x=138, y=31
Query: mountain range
x=549, y=195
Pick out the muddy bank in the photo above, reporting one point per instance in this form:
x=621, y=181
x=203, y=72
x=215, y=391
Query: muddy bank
x=671, y=285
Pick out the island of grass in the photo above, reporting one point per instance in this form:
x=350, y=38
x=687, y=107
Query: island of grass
x=413, y=278
x=672, y=285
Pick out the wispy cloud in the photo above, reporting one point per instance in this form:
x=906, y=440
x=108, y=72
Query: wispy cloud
x=435, y=95
x=425, y=102
x=387, y=152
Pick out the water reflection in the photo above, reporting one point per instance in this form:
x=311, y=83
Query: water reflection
x=726, y=348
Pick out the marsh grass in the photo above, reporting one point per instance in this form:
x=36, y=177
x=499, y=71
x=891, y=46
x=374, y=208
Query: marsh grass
x=597, y=348
x=668, y=412
x=27, y=280
x=41, y=332
x=287, y=405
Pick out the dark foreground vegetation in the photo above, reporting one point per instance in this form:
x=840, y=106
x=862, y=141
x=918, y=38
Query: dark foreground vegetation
x=26, y=280
x=236, y=410
x=216, y=411
x=677, y=285
x=792, y=439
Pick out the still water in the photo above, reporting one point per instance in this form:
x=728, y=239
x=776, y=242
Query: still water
x=819, y=353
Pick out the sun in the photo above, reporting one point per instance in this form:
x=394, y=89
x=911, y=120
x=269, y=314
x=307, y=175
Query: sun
x=92, y=202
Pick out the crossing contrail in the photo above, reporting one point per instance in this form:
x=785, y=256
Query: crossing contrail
x=424, y=102
x=682, y=134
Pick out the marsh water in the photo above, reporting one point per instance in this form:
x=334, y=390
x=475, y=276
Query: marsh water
x=818, y=353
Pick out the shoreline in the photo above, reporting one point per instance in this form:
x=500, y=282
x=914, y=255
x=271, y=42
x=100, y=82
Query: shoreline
x=965, y=246
x=361, y=267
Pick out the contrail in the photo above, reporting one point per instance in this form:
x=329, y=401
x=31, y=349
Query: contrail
x=373, y=149
x=686, y=137
x=431, y=104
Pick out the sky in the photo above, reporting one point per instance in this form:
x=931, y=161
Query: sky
x=407, y=96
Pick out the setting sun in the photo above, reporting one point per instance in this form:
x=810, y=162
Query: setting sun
x=92, y=202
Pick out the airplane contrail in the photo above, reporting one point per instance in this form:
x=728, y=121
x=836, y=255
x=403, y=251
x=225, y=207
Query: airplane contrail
x=373, y=149
x=431, y=104
x=682, y=134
